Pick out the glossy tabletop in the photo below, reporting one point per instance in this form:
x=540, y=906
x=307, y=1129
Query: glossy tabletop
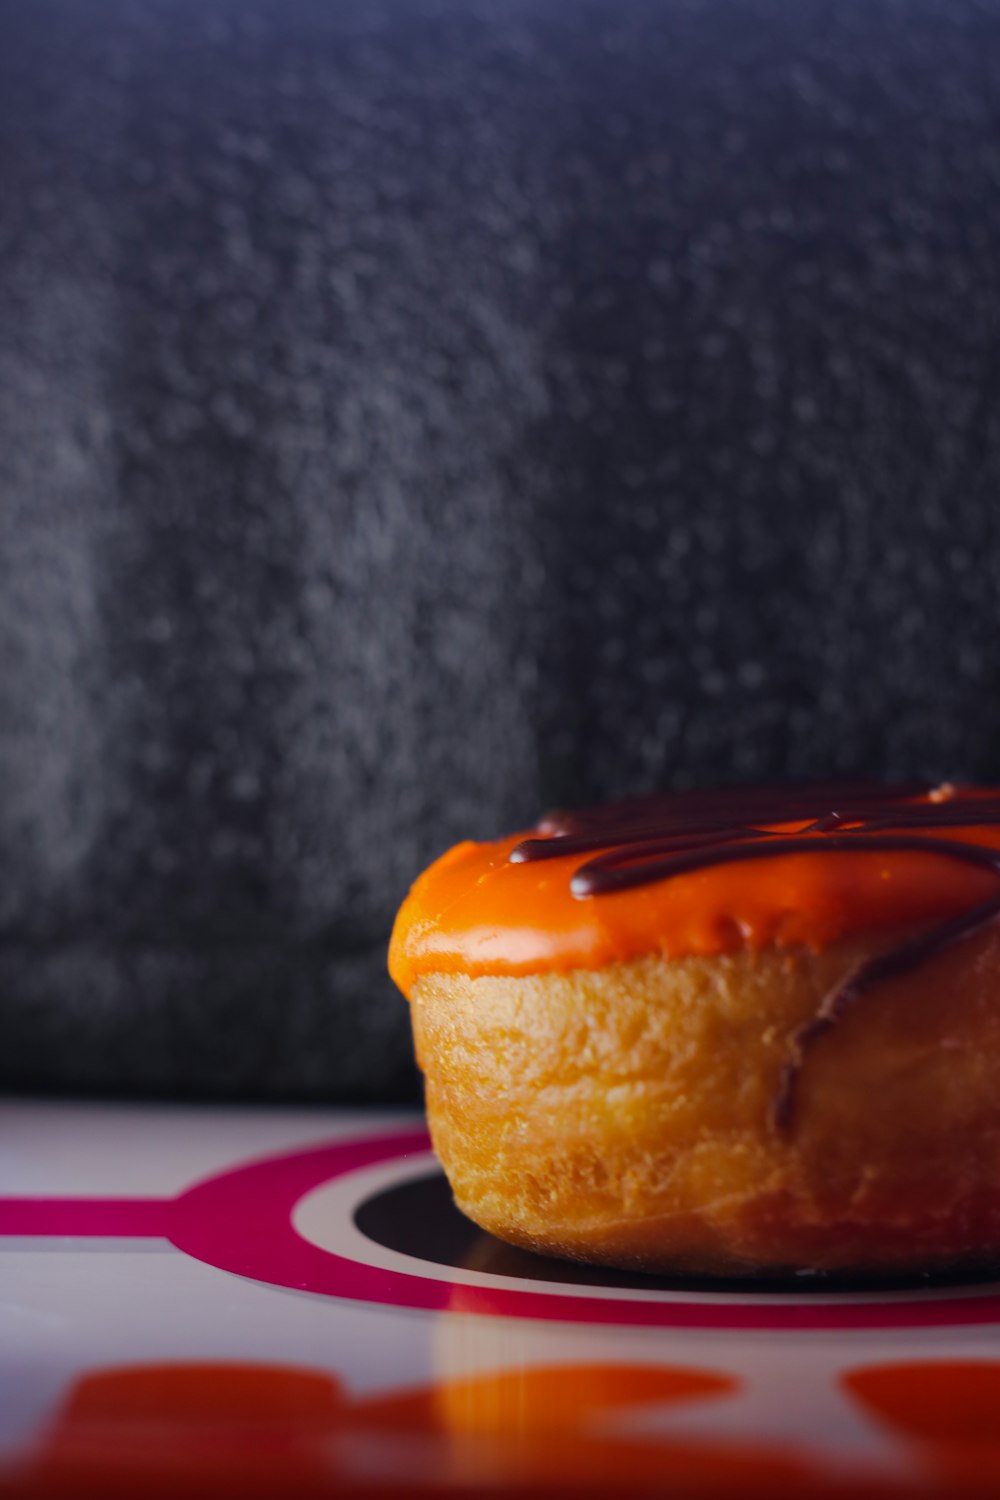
x=286, y=1302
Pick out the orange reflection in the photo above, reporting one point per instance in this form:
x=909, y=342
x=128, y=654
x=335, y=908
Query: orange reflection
x=950, y=1411
x=254, y=1430
x=543, y=1399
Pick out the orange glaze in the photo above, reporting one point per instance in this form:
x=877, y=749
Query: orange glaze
x=472, y=912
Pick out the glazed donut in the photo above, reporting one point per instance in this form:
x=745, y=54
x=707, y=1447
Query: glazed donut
x=746, y=1031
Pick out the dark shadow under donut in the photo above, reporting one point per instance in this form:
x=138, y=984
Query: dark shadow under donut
x=419, y=1218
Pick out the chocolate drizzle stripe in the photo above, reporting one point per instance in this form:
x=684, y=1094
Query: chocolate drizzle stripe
x=981, y=812
x=620, y=869
x=658, y=838
x=655, y=841
x=726, y=801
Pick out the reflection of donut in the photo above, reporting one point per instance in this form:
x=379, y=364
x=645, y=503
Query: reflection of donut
x=718, y=1032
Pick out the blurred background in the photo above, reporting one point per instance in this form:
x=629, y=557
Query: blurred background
x=418, y=413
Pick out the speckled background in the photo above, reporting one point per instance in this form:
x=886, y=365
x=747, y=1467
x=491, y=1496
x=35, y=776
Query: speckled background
x=417, y=412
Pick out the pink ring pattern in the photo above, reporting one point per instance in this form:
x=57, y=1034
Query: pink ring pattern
x=241, y=1221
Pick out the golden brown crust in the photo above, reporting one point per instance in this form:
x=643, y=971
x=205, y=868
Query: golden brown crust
x=625, y=1115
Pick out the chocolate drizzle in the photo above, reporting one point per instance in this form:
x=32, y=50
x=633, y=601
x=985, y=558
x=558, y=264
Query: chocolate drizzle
x=657, y=838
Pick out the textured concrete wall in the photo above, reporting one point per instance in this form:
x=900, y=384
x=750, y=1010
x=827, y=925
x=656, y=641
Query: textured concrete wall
x=415, y=414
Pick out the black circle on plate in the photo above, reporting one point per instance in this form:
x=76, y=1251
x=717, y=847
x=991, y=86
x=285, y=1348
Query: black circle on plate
x=419, y=1218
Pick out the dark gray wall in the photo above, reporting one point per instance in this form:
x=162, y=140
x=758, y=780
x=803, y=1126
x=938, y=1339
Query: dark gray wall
x=414, y=414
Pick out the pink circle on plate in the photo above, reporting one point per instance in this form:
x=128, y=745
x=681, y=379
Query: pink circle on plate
x=241, y=1221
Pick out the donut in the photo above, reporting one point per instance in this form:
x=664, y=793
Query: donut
x=753, y=1031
